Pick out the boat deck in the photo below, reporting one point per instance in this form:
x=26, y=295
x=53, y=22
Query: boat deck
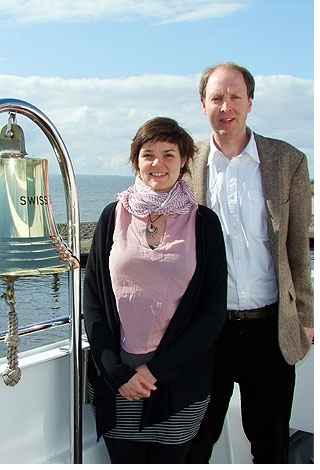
x=35, y=414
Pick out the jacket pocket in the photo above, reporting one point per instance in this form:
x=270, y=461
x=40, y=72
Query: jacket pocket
x=292, y=293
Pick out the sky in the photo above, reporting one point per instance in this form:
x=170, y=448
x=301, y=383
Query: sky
x=99, y=69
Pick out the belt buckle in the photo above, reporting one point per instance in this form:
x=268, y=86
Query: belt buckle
x=238, y=315
x=242, y=314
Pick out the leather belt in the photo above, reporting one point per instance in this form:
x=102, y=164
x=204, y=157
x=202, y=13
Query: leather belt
x=253, y=314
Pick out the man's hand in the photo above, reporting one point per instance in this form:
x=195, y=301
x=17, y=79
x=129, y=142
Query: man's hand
x=309, y=332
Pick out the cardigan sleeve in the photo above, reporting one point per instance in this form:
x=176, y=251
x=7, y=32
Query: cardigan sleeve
x=202, y=311
x=100, y=315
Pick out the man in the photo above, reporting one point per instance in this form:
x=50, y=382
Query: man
x=260, y=189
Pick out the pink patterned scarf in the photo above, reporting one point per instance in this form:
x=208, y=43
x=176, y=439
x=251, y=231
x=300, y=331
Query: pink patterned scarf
x=140, y=200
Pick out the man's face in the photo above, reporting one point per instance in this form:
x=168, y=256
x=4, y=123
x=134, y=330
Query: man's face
x=227, y=104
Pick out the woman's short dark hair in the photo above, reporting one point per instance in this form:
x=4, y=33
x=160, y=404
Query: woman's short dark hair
x=248, y=78
x=162, y=129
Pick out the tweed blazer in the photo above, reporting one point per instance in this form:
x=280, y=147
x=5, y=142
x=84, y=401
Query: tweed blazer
x=287, y=193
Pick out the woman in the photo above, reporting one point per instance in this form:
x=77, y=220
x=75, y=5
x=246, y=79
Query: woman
x=154, y=304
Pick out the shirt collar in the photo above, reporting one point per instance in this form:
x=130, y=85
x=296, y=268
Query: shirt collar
x=250, y=149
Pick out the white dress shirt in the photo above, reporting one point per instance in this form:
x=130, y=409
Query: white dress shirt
x=235, y=193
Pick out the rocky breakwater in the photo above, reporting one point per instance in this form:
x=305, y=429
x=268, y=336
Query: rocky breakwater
x=86, y=233
x=87, y=230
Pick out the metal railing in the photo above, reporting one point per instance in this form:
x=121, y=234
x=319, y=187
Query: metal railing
x=55, y=323
x=40, y=326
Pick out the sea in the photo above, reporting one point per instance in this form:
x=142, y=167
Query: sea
x=42, y=298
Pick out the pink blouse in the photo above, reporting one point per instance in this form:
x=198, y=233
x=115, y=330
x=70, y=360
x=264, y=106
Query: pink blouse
x=149, y=284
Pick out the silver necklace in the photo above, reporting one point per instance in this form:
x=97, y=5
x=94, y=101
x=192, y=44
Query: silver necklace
x=152, y=230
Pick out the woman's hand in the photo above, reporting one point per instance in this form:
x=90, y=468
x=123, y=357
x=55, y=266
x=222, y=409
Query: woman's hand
x=145, y=372
x=137, y=387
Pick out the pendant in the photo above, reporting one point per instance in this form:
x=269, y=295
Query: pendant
x=151, y=231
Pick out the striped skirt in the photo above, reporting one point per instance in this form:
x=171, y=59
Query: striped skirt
x=178, y=429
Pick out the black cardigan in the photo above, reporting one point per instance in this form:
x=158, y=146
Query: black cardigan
x=183, y=361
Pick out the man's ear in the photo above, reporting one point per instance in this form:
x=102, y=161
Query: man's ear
x=203, y=104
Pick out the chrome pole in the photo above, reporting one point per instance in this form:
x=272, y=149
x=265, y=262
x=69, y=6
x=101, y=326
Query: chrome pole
x=60, y=150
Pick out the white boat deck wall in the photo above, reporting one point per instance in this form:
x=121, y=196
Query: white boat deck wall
x=35, y=423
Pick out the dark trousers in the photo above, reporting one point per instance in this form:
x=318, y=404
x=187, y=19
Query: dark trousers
x=132, y=452
x=248, y=353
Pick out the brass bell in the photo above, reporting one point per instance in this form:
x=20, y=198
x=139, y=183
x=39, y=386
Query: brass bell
x=29, y=240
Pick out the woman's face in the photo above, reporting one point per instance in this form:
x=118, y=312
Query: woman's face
x=160, y=164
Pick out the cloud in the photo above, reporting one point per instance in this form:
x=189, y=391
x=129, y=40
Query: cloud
x=283, y=109
x=97, y=118
x=162, y=11
x=203, y=11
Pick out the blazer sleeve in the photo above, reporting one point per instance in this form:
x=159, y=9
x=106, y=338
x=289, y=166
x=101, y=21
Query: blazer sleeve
x=298, y=242
x=202, y=312
x=100, y=315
